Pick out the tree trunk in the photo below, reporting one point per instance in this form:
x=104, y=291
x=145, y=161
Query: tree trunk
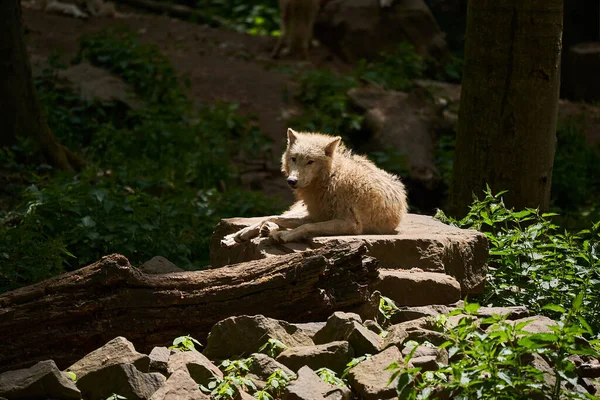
x=508, y=111
x=68, y=316
x=20, y=110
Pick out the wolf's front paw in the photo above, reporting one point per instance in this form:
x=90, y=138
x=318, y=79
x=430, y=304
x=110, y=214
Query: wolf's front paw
x=267, y=228
x=284, y=237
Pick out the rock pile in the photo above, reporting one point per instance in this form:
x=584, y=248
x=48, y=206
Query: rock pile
x=345, y=344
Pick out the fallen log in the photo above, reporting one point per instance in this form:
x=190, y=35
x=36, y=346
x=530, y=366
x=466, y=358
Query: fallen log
x=66, y=317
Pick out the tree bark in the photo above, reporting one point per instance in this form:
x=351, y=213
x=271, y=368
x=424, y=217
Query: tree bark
x=20, y=110
x=68, y=316
x=508, y=111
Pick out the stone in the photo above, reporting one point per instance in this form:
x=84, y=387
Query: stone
x=195, y=364
x=423, y=351
x=425, y=335
x=159, y=357
x=224, y=338
x=370, y=377
x=418, y=288
x=422, y=242
x=333, y=355
x=159, y=265
x=408, y=313
x=93, y=83
x=404, y=122
x=516, y=312
x=117, y=351
x=396, y=335
x=262, y=366
x=310, y=328
x=355, y=29
x=179, y=386
x=42, y=381
x=309, y=386
x=347, y=326
x=538, y=324
x=373, y=326
x=123, y=379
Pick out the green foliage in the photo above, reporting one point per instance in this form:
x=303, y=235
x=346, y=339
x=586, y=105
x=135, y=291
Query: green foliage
x=256, y=17
x=185, y=343
x=531, y=263
x=387, y=308
x=276, y=382
x=159, y=177
x=330, y=377
x=496, y=363
x=272, y=347
x=326, y=106
x=72, y=375
x=576, y=174
x=394, y=70
x=353, y=363
x=233, y=381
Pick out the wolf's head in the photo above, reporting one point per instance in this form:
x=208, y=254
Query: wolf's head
x=308, y=157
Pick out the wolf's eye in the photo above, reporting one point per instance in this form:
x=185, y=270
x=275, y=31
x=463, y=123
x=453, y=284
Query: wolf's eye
x=293, y=159
x=310, y=162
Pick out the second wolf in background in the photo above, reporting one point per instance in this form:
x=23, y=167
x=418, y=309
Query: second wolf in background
x=297, y=23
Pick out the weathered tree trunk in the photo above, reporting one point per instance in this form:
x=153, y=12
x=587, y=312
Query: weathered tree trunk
x=509, y=102
x=68, y=316
x=20, y=110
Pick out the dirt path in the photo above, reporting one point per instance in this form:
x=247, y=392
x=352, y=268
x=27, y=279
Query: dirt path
x=221, y=66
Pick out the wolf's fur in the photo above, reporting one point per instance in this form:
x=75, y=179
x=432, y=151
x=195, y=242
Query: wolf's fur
x=297, y=23
x=339, y=193
x=96, y=8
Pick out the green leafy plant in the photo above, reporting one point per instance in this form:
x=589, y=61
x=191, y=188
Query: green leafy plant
x=498, y=363
x=353, y=363
x=531, y=262
x=387, y=308
x=330, y=377
x=185, y=343
x=276, y=382
x=115, y=396
x=272, y=348
x=233, y=381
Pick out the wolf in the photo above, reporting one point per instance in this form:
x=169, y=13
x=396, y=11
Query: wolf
x=297, y=23
x=338, y=193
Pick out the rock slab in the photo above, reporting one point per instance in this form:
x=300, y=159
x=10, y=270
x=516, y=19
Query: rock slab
x=421, y=242
x=42, y=381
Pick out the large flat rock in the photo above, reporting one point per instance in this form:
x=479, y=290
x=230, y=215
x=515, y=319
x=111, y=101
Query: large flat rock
x=421, y=242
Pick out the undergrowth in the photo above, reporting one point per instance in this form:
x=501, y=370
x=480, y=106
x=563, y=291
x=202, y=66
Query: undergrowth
x=532, y=262
x=159, y=177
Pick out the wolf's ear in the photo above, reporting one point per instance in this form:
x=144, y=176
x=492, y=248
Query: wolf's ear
x=291, y=134
x=331, y=146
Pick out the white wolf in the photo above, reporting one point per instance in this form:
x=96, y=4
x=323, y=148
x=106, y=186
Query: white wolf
x=339, y=193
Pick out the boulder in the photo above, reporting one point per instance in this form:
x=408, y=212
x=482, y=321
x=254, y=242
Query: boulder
x=408, y=288
x=159, y=357
x=310, y=328
x=93, y=83
x=159, y=265
x=179, y=386
x=370, y=377
x=538, y=324
x=122, y=379
x=407, y=313
x=117, y=351
x=355, y=29
x=422, y=242
x=333, y=355
x=309, y=386
x=225, y=338
x=404, y=122
x=262, y=366
x=42, y=381
x=346, y=326
x=195, y=364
